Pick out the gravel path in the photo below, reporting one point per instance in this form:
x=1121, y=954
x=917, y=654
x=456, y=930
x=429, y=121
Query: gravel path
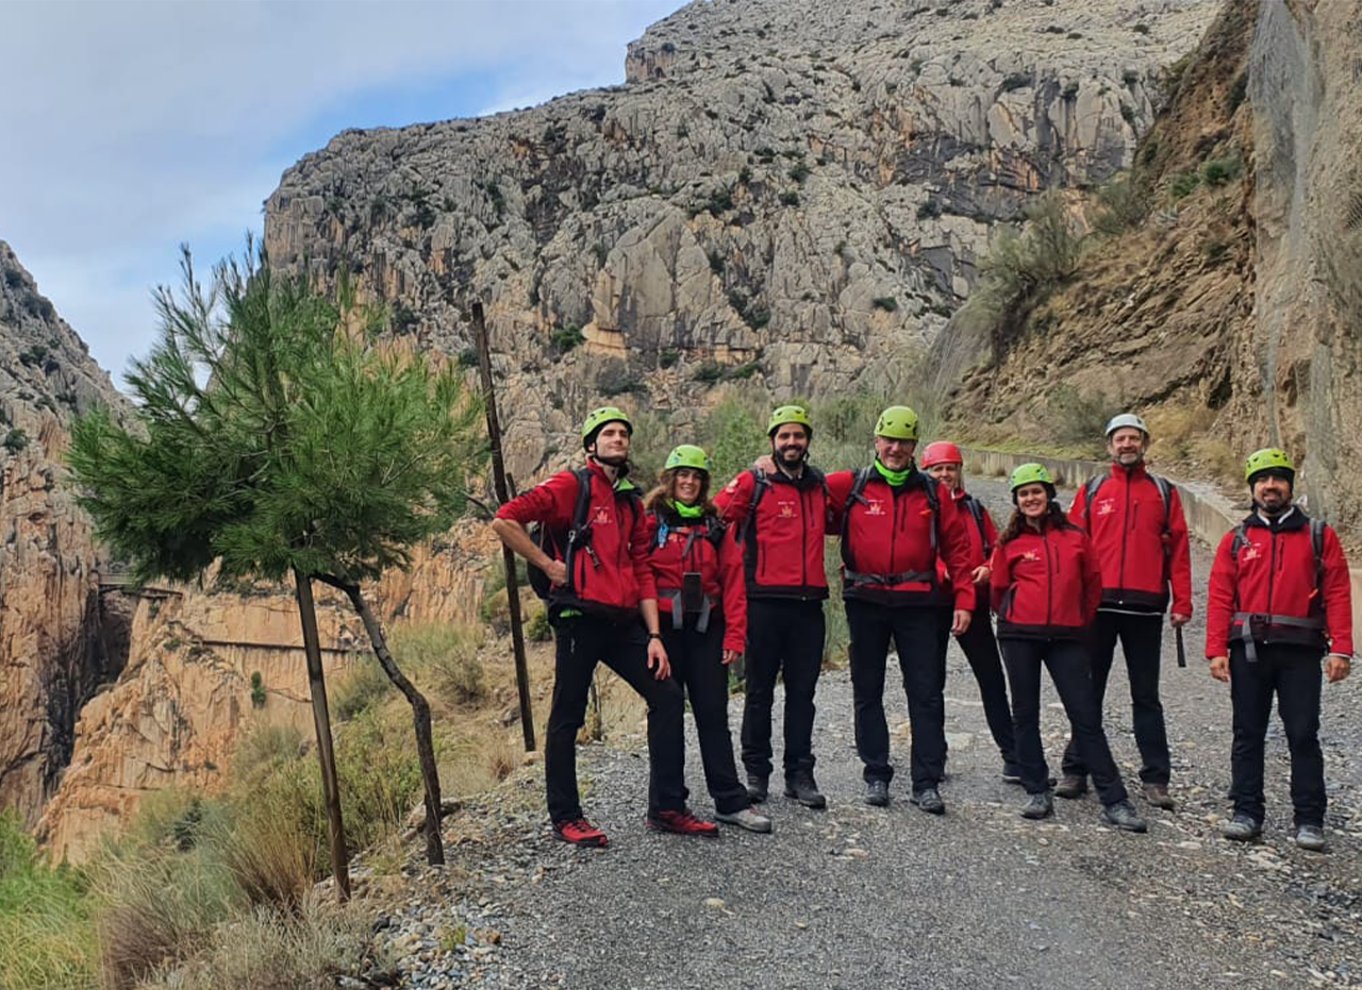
x=863, y=897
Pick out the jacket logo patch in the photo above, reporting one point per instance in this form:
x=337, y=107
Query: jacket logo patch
x=602, y=517
x=1030, y=555
x=1105, y=507
x=787, y=510
x=874, y=507
x=1251, y=552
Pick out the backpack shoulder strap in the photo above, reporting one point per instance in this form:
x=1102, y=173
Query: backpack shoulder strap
x=976, y=509
x=1317, y=544
x=583, y=505
x=1239, y=541
x=1090, y=490
x=1165, y=488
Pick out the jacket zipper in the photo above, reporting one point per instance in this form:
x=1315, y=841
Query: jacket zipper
x=1049, y=581
x=805, y=512
x=1128, y=520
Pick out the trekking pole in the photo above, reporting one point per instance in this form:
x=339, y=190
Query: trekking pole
x=489, y=396
x=1182, y=648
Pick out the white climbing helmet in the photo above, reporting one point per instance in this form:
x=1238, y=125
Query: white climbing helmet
x=1127, y=419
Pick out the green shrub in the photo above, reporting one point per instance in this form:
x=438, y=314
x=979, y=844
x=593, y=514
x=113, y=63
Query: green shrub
x=800, y=172
x=668, y=358
x=1219, y=171
x=1183, y=183
x=443, y=657
x=1078, y=418
x=468, y=357
x=1121, y=204
x=361, y=685
x=1016, y=80
x=258, y=695
x=564, y=339
x=789, y=198
x=16, y=440
x=537, y=629
x=708, y=373
x=887, y=303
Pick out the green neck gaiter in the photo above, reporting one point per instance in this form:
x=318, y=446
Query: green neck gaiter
x=895, y=478
x=688, y=511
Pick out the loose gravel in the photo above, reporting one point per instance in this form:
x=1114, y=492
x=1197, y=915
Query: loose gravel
x=856, y=896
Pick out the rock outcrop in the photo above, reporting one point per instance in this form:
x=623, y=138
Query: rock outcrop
x=1232, y=313
x=59, y=637
x=782, y=191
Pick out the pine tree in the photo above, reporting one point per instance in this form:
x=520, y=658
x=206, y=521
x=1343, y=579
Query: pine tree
x=276, y=438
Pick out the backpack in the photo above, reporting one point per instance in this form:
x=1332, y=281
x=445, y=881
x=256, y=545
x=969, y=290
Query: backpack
x=1316, y=544
x=1164, y=486
x=975, y=509
x=715, y=528
x=861, y=479
x=563, y=544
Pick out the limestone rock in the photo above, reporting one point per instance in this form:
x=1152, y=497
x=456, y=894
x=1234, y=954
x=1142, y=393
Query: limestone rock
x=59, y=637
x=784, y=190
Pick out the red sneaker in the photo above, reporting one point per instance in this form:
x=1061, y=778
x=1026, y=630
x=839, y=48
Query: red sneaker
x=580, y=832
x=681, y=823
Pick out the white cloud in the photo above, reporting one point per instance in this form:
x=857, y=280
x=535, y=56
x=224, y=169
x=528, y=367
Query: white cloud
x=144, y=124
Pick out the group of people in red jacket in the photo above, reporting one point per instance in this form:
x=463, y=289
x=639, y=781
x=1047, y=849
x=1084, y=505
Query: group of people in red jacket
x=672, y=588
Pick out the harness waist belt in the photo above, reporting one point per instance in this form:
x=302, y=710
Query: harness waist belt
x=1246, y=624
x=904, y=577
x=673, y=595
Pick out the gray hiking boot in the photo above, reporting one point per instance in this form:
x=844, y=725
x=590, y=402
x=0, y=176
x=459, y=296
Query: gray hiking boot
x=1122, y=815
x=1310, y=838
x=929, y=800
x=1241, y=828
x=1038, y=806
x=749, y=818
x=877, y=793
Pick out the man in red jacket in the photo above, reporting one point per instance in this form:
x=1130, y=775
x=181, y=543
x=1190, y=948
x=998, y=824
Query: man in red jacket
x=781, y=515
x=895, y=521
x=1137, y=528
x=944, y=462
x=598, y=593
x=1279, y=599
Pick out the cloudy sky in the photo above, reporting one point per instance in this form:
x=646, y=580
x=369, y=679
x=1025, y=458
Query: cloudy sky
x=130, y=127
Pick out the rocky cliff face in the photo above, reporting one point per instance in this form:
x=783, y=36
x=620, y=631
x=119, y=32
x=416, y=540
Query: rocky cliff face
x=782, y=191
x=59, y=637
x=1232, y=313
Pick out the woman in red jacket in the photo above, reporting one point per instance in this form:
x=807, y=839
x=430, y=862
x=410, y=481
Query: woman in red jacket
x=1046, y=588
x=702, y=601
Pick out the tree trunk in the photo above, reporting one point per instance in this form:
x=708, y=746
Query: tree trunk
x=420, y=711
x=321, y=717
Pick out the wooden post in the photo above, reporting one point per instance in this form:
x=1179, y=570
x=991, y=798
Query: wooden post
x=489, y=396
x=321, y=717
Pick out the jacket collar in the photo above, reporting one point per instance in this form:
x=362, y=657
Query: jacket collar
x=1292, y=518
x=1133, y=473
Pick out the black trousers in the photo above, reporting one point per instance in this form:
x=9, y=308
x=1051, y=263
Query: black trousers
x=1068, y=666
x=921, y=647
x=981, y=650
x=582, y=641
x=788, y=635
x=697, y=660
x=1293, y=673
x=1141, y=641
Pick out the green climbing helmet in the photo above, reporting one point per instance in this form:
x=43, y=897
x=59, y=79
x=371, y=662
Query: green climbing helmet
x=687, y=455
x=1268, y=459
x=897, y=423
x=789, y=414
x=598, y=418
x=1030, y=474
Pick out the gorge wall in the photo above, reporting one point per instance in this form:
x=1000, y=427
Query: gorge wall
x=784, y=192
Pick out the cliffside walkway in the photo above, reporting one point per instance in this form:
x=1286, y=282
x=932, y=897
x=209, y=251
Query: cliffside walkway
x=865, y=897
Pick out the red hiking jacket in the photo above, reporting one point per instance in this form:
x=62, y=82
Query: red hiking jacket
x=617, y=577
x=888, y=537
x=1275, y=574
x=783, y=539
x=1045, y=585
x=687, y=546
x=1138, y=559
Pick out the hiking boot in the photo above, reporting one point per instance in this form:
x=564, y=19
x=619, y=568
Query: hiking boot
x=681, y=823
x=580, y=832
x=1122, y=815
x=877, y=793
x=758, y=788
x=1157, y=795
x=1011, y=773
x=1038, y=806
x=803, y=789
x=929, y=800
x=1071, y=786
x=1241, y=828
x=749, y=818
x=1310, y=838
